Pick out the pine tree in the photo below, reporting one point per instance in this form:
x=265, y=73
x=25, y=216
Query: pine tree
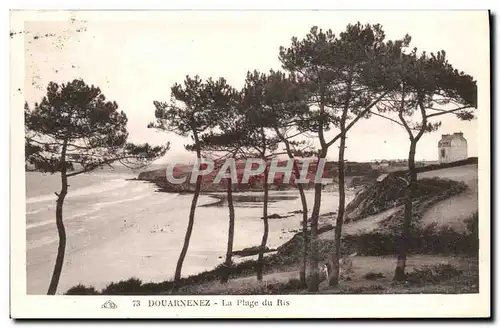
x=428, y=87
x=195, y=109
x=72, y=131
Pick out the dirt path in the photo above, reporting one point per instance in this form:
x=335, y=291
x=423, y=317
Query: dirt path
x=363, y=226
x=453, y=211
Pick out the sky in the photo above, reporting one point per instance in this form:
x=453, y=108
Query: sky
x=135, y=57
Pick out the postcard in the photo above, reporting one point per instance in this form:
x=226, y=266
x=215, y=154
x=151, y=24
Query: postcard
x=250, y=164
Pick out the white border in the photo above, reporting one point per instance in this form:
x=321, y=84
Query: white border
x=315, y=306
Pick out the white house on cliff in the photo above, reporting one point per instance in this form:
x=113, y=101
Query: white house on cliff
x=452, y=147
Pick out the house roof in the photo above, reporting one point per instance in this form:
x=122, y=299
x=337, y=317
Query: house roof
x=447, y=138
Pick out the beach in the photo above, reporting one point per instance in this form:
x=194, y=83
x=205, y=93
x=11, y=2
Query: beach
x=118, y=228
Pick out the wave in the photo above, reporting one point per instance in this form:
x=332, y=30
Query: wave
x=35, y=211
x=93, y=208
x=39, y=199
x=39, y=224
x=93, y=189
x=103, y=204
x=41, y=242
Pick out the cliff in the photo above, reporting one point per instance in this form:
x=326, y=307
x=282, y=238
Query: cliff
x=152, y=175
x=357, y=174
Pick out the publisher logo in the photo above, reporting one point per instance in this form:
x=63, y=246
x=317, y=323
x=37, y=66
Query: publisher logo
x=109, y=305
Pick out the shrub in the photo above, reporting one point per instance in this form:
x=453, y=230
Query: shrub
x=432, y=274
x=290, y=287
x=473, y=232
x=472, y=224
x=293, y=285
x=446, y=240
x=371, y=289
x=82, y=290
x=428, y=240
x=372, y=244
x=131, y=286
x=373, y=275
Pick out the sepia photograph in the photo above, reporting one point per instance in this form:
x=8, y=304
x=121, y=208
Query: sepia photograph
x=220, y=161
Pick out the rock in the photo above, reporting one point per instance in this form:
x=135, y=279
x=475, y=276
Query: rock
x=254, y=250
x=276, y=216
x=325, y=228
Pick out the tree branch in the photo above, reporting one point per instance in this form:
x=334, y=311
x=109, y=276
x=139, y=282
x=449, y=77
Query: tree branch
x=94, y=166
x=387, y=118
x=424, y=119
x=401, y=117
x=443, y=111
x=358, y=117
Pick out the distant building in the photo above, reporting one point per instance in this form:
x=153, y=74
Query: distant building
x=452, y=147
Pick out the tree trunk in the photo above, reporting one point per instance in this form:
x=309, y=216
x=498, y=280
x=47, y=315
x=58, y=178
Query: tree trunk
x=189, y=229
x=230, y=234
x=334, y=275
x=61, y=231
x=300, y=187
x=404, y=245
x=305, y=237
x=62, y=235
x=314, y=261
x=260, y=261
